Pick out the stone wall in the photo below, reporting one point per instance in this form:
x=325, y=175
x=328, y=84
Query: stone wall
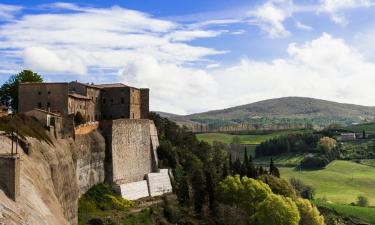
x=44, y=96
x=115, y=103
x=90, y=150
x=10, y=175
x=131, y=150
x=135, y=103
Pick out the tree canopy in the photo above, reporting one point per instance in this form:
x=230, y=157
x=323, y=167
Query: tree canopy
x=9, y=90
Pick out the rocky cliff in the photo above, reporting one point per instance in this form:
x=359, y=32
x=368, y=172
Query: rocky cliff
x=52, y=178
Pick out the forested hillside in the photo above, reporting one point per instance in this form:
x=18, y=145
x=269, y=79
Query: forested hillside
x=281, y=113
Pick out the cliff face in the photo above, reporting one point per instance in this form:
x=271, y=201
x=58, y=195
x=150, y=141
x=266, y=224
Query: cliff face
x=52, y=179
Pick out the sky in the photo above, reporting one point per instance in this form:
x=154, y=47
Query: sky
x=195, y=55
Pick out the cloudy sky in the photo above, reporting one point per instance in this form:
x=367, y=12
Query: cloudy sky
x=198, y=55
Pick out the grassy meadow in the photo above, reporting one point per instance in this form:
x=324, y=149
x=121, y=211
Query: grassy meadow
x=283, y=160
x=364, y=213
x=368, y=127
x=340, y=182
x=246, y=139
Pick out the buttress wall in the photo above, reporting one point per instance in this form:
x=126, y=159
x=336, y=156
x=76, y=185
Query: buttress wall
x=131, y=150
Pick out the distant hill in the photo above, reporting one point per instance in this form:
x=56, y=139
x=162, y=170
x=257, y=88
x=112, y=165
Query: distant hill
x=279, y=113
x=166, y=115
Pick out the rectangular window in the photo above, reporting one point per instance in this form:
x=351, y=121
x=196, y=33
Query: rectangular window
x=122, y=100
x=104, y=101
x=48, y=104
x=49, y=92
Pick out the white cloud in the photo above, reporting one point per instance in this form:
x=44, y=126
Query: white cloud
x=271, y=15
x=238, y=32
x=303, y=26
x=173, y=88
x=85, y=38
x=155, y=53
x=7, y=11
x=337, y=8
x=326, y=68
x=188, y=35
x=43, y=59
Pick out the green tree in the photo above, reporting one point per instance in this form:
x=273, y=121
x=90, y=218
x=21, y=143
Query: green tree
x=273, y=169
x=276, y=210
x=279, y=186
x=251, y=170
x=181, y=185
x=237, y=166
x=9, y=90
x=310, y=215
x=362, y=201
x=244, y=192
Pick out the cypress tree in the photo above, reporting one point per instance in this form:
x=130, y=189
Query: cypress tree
x=251, y=170
x=246, y=159
x=237, y=166
x=230, y=164
x=273, y=169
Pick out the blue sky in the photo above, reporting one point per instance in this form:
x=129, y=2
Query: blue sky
x=198, y=55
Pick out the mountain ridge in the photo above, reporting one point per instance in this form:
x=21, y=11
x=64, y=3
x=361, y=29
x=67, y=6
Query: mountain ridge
x=293, y=108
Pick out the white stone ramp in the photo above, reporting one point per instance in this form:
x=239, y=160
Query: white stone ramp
x=159, y=183
x=134, y=190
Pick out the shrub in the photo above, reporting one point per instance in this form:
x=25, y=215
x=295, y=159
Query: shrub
x=314, y=162
x=304, y=190
x=362, y=201
x=279, y=186
x=310, y=215
x=276, y=210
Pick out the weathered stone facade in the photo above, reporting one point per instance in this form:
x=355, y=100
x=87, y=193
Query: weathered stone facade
x=90, y=150
x=94, y=102
x=10, y=175
x=130, y=146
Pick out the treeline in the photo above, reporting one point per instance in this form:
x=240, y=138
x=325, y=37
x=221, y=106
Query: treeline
x=197, y=166
x=304, y=142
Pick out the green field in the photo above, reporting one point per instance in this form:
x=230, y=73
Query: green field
x=363, y=213
x=340, y=182
x=287, y=160
x=248, y=139
x=368, y=127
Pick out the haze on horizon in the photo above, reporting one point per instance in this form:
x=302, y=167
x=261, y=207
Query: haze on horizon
x=198, y=56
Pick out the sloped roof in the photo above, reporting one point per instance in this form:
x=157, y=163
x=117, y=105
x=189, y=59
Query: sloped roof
x=75, y=95
x=114, y=85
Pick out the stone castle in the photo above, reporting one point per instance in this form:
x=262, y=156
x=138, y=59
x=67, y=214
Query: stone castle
x=94, y=102
x=118, y=143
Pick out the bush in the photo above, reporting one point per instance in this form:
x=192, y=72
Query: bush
x=303, y=190
x=277, y=210
x=279, y=186
x=310, y=215
x=362, y=201
x=314, y=162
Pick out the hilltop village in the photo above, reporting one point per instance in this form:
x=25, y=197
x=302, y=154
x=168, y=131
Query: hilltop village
x=108, y=126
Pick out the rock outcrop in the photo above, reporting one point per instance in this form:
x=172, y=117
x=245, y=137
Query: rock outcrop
x=52, y=178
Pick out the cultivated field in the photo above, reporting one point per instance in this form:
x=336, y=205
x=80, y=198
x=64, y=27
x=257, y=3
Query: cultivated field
x=246, y=139
x=340, y=182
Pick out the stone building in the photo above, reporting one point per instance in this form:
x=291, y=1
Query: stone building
x=94, y=102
